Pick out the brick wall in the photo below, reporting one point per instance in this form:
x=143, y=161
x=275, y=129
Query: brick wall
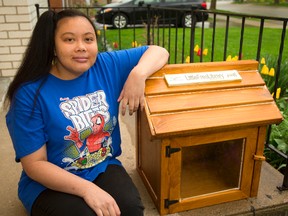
x=17, y=19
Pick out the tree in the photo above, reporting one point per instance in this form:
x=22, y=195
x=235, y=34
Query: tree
x=213, y=5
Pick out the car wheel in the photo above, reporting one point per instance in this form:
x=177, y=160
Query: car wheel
x=187, y=20
x=119, y=21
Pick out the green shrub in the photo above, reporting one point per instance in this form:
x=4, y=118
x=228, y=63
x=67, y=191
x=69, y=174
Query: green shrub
x=279, y=133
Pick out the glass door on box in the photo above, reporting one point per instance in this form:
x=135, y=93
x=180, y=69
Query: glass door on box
x=210, y=168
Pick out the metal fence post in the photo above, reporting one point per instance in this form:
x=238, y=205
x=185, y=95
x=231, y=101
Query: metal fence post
x=148, y=23
x=37, y=10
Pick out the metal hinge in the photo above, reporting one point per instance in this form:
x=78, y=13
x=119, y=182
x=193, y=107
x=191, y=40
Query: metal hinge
x=259, y=157
x=170, y=150
x=168, y=202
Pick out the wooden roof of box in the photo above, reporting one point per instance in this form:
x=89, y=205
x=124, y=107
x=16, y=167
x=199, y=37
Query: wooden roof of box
x=204, y=107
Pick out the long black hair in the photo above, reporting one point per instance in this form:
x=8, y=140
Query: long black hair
x=39, y=55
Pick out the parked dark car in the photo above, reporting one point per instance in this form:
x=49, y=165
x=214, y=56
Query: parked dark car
x=177, y=12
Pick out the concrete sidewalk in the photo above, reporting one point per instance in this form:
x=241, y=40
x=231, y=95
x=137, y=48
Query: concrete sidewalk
x=269, y=201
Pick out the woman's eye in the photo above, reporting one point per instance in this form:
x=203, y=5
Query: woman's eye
x=69, y=39
x=90, y=39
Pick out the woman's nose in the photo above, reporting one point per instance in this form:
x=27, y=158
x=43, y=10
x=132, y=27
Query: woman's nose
x=81, y=46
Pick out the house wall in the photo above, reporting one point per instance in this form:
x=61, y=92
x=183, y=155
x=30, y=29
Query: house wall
x=61, y=3
x=17, y=19
x=55, y=3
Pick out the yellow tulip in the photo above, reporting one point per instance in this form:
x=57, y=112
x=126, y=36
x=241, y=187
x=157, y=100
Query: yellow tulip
x=235, y=58
x=265, y=69
x=278, y=93
x=229, y=58
x=271, y=72
x=98, y=32
x=196, y=48
x=263, y=61
x=134, y=43
x=105, y=27
x=187, y=59
x=205, y=52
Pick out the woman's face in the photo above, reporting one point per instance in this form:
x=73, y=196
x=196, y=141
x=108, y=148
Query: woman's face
x=75, y=47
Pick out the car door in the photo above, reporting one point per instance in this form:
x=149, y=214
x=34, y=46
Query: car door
x=174, y=15
x=141, y=9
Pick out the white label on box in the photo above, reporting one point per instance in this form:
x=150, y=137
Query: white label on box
x=203, y=77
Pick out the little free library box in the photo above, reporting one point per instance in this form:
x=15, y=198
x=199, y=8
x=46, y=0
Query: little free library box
x=201, y=135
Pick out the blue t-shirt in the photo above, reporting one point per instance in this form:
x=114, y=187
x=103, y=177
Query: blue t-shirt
x=76, y=119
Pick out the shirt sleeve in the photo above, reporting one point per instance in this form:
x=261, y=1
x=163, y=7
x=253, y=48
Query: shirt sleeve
x=125, y=60
x=25, y=123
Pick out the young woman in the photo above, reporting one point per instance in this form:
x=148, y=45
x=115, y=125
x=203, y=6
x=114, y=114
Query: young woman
x=63, y=118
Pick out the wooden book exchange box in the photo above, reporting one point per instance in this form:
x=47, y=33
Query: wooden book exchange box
x=202, y=144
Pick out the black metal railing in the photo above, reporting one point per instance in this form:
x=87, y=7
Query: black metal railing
x=161, y=34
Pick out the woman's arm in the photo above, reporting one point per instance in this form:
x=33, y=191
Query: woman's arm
x=132, y=93
x=51, y=176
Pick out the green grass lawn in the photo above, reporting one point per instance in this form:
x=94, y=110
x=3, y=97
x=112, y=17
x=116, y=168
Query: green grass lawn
x=178, y=42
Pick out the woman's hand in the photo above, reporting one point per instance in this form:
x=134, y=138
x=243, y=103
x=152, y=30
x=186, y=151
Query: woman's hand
x=132, y=93
x=100, y=201
x=39, y=169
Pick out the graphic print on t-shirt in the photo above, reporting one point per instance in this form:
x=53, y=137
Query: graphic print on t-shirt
x=90, y=140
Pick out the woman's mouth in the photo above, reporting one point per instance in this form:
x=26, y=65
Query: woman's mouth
x=80, y=59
